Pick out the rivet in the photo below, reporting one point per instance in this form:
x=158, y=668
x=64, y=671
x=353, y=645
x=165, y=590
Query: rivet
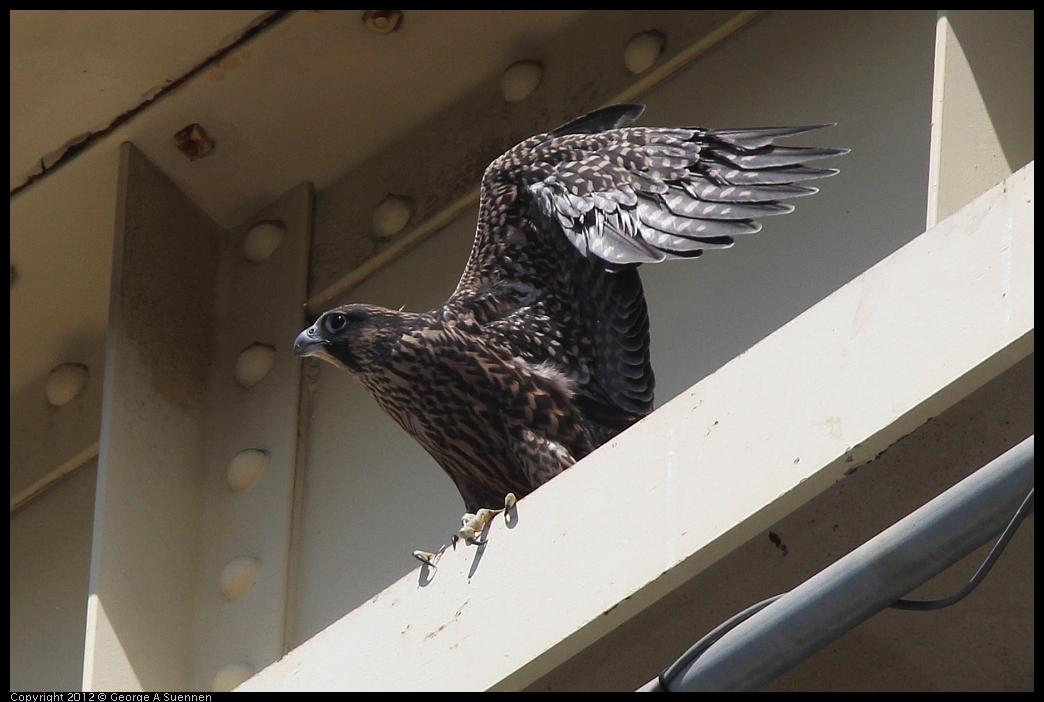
x=642, y=51
x=253, y=364
x=392, y=215
x=262, y=240
x=232, y=676
x=65, y=382
x=246, y=469
x=193, y=141
x=520, y=79
x=239, y=576
x=383, y=21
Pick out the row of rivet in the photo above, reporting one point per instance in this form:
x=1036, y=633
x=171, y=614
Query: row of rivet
x=67, y=380
x=518, y=82
x=248, y=466
x=390, y=217
x=521, y=78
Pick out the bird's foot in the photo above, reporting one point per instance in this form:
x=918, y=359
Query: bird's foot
x=473, y=526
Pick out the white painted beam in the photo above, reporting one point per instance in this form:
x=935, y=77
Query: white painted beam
x=739, y=450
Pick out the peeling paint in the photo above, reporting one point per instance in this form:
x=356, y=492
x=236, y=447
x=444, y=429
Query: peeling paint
x=62, y=155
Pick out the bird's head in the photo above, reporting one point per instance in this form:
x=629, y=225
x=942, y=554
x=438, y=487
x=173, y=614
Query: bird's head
x=357, y=338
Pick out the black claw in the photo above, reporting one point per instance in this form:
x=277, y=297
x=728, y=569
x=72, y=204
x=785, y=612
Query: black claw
x=428, y=559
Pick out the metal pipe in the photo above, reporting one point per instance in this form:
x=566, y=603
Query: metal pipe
x=867, y=580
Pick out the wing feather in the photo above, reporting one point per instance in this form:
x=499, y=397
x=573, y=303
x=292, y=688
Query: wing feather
x=569, y=214
x=671, y=192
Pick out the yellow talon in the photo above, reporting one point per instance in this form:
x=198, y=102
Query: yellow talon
x=472, y=525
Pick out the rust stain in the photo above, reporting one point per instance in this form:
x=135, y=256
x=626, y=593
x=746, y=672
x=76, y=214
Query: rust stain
x=74, y=147
x=221, y=68
x=193, y=141
x=456, y=616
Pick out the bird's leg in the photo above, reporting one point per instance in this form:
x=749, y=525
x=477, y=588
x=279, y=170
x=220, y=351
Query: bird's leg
x=473, y=525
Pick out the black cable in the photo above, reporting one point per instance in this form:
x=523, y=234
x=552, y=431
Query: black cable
x=995, y=552
x=701, y=646
x=707, y=641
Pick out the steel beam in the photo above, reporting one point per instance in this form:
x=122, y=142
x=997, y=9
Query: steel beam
x=867, y=580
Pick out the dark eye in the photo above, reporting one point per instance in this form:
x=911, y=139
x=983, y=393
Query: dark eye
x=335, y=323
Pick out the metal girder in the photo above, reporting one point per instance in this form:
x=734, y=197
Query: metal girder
x=191, y=546
x=864, y=582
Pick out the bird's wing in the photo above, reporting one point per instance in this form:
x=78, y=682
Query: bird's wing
x=644, y=195
x=623, y=196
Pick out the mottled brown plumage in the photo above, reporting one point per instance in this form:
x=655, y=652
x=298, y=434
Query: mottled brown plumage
x=541, y=354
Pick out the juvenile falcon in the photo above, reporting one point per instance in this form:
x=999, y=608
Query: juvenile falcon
x=541, y=354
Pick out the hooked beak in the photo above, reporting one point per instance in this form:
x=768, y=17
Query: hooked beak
x=309, y=342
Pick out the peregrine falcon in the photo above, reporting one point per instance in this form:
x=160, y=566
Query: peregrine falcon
x=541, y=354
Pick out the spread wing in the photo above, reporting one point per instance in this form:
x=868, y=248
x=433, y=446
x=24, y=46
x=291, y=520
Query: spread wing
x=565, y=217
x=644, y=195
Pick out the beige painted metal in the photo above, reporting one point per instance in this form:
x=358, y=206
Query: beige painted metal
x=51, y=442
x=305, y=101
x=320, y=93
x=50, y=563
x=75, y=71
x=256, y=303
x=61, y=248
x=158, y=358
x=187, y=303
x=983, y=100
x=348, y=251
x=897, y=345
